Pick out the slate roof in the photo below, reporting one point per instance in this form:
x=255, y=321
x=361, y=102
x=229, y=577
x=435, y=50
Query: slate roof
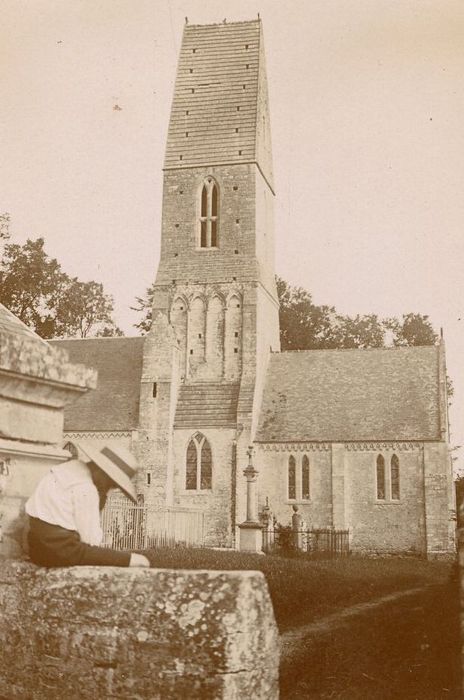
x=207, y=406
x=345, y=395
x=220, y=88
x=114, y=404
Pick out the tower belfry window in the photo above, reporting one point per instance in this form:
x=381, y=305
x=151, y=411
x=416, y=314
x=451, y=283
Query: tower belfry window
x=209, y=214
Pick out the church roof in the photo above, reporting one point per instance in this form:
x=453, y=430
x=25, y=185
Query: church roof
x=114, y=404
x=345, y=395
x=220, y=111
x=207, y=406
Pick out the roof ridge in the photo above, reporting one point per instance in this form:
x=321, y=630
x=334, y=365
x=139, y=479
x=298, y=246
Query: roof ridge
x=113, y=337
x=222, y=24
x=333, y=350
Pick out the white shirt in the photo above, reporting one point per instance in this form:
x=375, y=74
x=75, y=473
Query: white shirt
x=67, y=497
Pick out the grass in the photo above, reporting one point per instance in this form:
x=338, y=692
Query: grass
x=408, y=649
x=303, y=590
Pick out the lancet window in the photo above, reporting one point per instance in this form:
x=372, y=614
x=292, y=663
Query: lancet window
x=209, y=216
x=199, y=464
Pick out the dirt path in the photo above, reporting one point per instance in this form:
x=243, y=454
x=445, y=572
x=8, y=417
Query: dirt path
x=402, y=646
x=290, y=641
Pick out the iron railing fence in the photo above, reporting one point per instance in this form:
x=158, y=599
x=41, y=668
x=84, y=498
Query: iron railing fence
x=127, y=526
x=319, y=542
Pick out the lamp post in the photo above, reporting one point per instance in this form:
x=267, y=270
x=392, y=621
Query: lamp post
x=251, y=529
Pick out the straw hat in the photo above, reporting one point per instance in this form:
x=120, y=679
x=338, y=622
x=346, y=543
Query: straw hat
x=116, y=461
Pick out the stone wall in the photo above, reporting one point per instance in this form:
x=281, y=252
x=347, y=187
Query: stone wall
x=343, y=493
x=94, y=632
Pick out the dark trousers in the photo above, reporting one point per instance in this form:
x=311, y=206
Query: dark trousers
x=52, y=545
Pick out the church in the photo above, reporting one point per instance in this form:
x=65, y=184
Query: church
x=357, y=439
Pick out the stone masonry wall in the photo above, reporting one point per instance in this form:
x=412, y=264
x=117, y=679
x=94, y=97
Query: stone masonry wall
x=343, y=493
x=273, y=484
x=385, y=526
x=235, y=256
x=94, y=632
x=214, y=503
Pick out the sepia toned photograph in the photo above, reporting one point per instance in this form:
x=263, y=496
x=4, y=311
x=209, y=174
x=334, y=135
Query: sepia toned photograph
x=231, y=350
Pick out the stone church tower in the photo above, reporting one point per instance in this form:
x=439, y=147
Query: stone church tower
x=215, y=316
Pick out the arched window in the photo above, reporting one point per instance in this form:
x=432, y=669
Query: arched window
x=395, y=478
x=209, y=214
x=199, y=466
x=380, y=478
x=291, y=478
x=305, y=492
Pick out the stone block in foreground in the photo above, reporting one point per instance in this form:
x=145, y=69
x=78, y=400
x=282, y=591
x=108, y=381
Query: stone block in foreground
x=95, y=632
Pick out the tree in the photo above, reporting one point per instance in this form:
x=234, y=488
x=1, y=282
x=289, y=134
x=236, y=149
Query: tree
x=305, y=326
x=4, y=226
x=83, y=310
x=35, y=288
x=144, y=305
x=358, y=332
x=413, y=329
x=302, y=324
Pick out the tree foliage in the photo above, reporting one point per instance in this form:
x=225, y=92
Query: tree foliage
x=306, y=326
x=144, y=306
x=35, y=288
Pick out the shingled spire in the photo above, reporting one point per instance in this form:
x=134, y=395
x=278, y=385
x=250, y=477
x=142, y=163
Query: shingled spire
x=220, y=108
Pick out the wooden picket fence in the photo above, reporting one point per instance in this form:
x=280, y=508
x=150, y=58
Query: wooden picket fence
x=128, y=526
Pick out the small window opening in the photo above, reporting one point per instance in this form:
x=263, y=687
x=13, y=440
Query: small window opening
x=291, y=478
x=238, y=306
x=235, y=350
x=186, y=134
x=191, y=70
x=209, y=206
x=148, y=478
x=236, y=130
x=238, y=108
x=244, y=87
x=176, y=255
x=395, y=478
x=247, y=65
x=380, y=469
x=199, y=464
x=236, y=334
x=246, y=46
x=186, y=112
x=235, y=188
x=181, y=308
x=191, y=352
x=236, y=251
x=305, y=491
x=237, y=221
x=240, y=153
x=154, y=390
x=181, y=191
x=234, y=279
x=193, y=90
x=180, y=157
x=193, y=50
x=199, y=335
x=177, y=225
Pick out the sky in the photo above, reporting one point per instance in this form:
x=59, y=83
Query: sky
x=367, y=114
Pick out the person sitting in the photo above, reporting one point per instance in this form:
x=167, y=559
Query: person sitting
x=64, y=510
